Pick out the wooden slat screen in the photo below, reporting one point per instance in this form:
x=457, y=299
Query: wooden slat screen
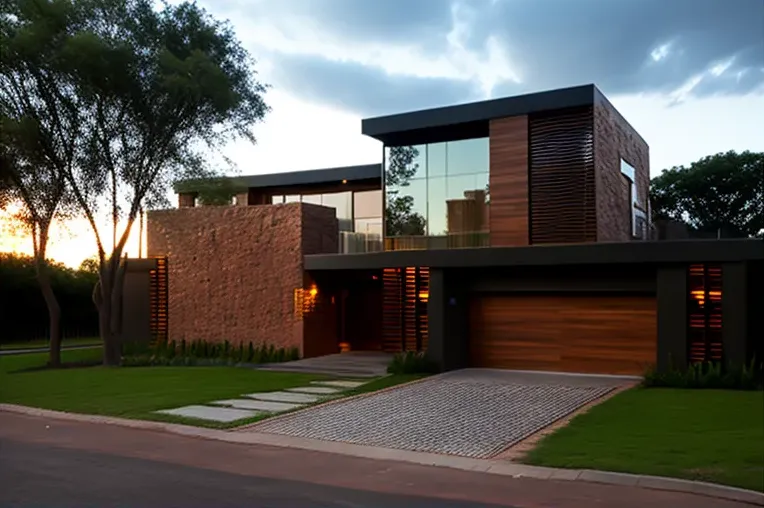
x=562, y=179
x=704, y=309
x=404, y=309
x=158, y=298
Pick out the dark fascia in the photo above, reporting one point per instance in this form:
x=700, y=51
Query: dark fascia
x=296, y=178
x=657, y=252
x=443, y=124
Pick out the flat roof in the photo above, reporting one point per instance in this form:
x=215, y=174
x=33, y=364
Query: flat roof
x=637, y=252
x=470, y=120
x=307, y=177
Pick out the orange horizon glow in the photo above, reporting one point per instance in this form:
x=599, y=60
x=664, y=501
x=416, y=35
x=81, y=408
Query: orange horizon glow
x=70, y=242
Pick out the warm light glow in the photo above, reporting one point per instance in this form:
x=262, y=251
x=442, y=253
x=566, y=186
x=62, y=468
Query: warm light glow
x=313, y=291
x=344, y=181
x=344, y=347
x=424, y=295
x=700, y=296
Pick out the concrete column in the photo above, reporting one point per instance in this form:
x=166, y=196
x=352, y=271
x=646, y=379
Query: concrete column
x=672, y=297
x=242, y=199
x=448, y=333
x=735, y=313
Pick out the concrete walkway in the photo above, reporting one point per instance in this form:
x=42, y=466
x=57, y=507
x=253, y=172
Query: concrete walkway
x=351, y=364
x=363, y=466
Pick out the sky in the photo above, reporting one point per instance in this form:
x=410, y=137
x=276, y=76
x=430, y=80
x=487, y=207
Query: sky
x=687, y=74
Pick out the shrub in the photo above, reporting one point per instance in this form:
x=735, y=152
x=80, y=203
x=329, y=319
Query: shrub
x=200, y=352
x=411, y=363
x=709, y=375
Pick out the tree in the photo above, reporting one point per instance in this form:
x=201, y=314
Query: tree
x=718, y=193
x=212, y=191
x=400, y=219
x=155, y=89
x=37, y=134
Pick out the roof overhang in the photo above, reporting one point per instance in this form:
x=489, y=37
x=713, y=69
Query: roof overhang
x=470, y=120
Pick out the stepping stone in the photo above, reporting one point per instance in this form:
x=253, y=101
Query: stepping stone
x=215, y=414
x=258, y=405
x=318, y=390
x=299, y=398
x=339, y=383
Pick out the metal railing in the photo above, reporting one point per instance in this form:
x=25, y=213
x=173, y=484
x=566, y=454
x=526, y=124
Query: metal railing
x=356, y=243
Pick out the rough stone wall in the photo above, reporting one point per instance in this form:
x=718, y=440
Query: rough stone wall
x=232, y=270
x=615, y=139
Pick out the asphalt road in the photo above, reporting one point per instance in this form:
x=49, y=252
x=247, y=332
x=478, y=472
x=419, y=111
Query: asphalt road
x=35, y=475
x=54, y=463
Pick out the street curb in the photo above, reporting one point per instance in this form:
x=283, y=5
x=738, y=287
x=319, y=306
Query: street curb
x=497, y=467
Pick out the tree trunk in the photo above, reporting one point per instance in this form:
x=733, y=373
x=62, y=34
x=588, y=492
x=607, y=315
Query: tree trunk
x=109, y=302
x=54, y=313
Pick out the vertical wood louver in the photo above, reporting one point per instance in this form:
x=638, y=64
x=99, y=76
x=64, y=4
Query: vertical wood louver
x=158, y=298
x=404, y=309
x=704, y=311
x=562, y=179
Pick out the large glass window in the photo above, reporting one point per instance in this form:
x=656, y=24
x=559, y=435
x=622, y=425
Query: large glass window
x=341, y=202
x=440, y=189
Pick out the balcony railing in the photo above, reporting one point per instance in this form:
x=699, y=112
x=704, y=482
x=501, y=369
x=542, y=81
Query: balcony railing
x=356, y=243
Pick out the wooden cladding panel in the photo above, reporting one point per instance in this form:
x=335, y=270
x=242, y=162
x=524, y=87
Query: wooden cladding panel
x=508, y=181
x=404, y=309
x=158, y=301
x=586, y=334
x=704, y=338
x=562, y=179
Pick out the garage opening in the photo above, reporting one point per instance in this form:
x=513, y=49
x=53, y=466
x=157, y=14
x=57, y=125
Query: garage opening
x=602, y=334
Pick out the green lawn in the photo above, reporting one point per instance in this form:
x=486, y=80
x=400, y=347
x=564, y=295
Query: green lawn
x=43, y=343
x=708, y=435
x=132, y=392
x=136, y=392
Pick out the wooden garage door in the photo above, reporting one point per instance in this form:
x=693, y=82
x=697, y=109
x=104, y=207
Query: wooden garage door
x=587, y=334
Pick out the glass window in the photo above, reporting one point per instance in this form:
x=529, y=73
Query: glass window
x=367, y=204
x=436, y=206
x=468, y=156
x=436, y=160
x=277, y=200
x=313, y=199
x=369, y=226
x=295, y=198
x=452, y=199
x=340, y=201
x=406, y=212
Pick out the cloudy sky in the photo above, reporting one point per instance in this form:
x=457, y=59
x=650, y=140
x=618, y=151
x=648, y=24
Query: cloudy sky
x=687, y=74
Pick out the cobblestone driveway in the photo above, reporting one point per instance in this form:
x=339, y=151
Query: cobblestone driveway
x=473, y=412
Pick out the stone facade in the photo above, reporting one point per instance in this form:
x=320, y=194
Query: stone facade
x=615, y=139
x=232, y=270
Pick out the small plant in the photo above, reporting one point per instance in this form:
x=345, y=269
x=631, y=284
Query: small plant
x=200, y=352
x=411, y=362
x=711, y=375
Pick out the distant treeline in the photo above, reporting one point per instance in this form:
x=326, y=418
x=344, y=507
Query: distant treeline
x=23, y=313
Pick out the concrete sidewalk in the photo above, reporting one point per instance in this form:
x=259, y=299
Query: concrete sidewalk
x=633, y=483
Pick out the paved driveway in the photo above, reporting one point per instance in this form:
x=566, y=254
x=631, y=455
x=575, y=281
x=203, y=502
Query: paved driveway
x=472, y=412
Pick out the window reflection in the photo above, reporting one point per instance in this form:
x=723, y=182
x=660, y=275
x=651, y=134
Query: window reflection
x=438, y=190
x=341, y=202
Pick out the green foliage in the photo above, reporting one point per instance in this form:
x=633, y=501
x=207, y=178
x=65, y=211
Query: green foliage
x=410, y=362
x=201, y=352
x=22, y=306
x=711, y=375
x=211, y=191
x=722, y=192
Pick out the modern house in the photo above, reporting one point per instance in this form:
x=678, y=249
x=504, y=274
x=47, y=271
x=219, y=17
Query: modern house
x=510, y=233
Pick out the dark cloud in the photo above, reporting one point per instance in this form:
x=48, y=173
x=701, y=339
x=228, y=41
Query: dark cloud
x=551, y=44
x=368, y=91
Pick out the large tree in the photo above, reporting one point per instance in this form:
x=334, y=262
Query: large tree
x=157, y=90
x=722, y=193
x=38, y=132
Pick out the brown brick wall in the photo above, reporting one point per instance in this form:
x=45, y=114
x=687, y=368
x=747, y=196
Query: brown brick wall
x=233, y=269
x=615, y=139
